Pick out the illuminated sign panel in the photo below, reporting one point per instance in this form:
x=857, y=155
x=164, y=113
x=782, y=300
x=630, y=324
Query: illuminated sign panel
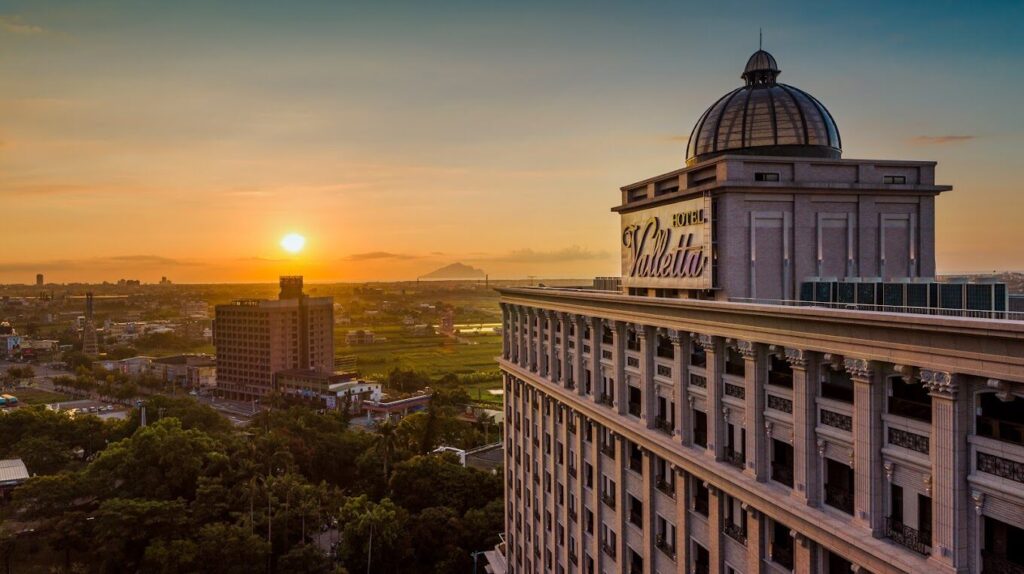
x=669, y=246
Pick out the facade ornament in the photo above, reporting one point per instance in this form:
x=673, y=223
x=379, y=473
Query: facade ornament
x=906, y=372
x=691, y=399
x=978, y=498
x=746, y=349
x=821, y=446
x=707, y=342
x=889, y=468
x=928, y=485
x=797, y=358
x=1002, y=389
x=725, y=414
x=768, y=425
x=676, y=337
x=940, y=383
x=859, y=368
x=834, y=360
x=852, y=459
x=778, y=351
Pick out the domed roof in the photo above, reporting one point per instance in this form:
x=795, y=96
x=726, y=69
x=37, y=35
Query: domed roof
x=764, y=117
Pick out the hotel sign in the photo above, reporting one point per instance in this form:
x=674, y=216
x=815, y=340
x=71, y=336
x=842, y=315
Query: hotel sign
x=669, y=246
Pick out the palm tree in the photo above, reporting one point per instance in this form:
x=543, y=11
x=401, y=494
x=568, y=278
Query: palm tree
x=386, y=441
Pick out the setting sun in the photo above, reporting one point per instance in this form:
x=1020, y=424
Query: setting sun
x=293, y=242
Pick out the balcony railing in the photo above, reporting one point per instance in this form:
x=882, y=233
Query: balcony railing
x=608, y=499
x=606, y=399
x=736, y=532
x=783, y=556
x=999, y=564
x=735, y=458
x=664, y=425
x=1001, y=467
x=608, y=549
x=665, y=545
x=918, y=541
x=608, y=450
x=783, y=473
x=839, y=497
x=665, y=486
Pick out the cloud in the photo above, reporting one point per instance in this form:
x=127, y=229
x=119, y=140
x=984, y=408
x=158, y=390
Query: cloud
x=369, y=256
x=15, y=25
x=564, y=255
x=131, y=262
x=940, y=140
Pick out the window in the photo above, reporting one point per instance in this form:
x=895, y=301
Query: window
x=700, y=428
x=896, y=503
x=782, y=462
x=911, y=401
x=894, y=179
x=635, y=399
x=698, y=358
x=839, y=486
x=734, y=363
x=636, y=511
x=1000, y=420
x=837, y=385
x=766, y=176
x=781, y=550
x=701, y=497
x=636, y=458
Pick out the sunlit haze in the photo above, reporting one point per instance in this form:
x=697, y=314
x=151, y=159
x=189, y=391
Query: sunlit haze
x=186, y=139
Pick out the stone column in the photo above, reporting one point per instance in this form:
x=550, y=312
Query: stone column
x=524, y=338
x=647, y=496
x=506, y=341
x=714, y=349
x=716, y=553
x=803, y=554
x=577, y=488
x=806, y=466
x=577, y=357
x=619, y=474
x=648, y=339
x=755, y=540
x=552, y=371
x=531, y=338
x=542, y=355
x=620, y=393
x=681, y=383
x=682, y=541
x=563, y=354
x=596, y=332
x=755, y=358
x=868, y=392
x=949, y=457
x=596, y=505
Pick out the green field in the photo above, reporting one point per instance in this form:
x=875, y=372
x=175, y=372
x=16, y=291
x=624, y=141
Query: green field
x=30, y=397
x=433, y=355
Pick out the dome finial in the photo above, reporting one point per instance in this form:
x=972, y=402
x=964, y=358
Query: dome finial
x=760, y=39
x=761, y=69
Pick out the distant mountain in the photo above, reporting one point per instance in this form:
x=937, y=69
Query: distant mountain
x=455, y=271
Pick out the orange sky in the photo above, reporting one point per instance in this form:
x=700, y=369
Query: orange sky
x=142, y=141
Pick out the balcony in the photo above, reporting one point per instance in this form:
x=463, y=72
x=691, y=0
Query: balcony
x=735, y=458
x=839, y=497
x=782, y=555
x=664, y=425
x=736, y=532
x=993, y=563
x=918, y=541
x=665, y=487
x=665, y=545
x=606, y=400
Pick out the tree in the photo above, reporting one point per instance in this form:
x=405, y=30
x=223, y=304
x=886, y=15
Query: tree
x=305, y=559
x=386, y=441
x=374, y=536
x=439, y=480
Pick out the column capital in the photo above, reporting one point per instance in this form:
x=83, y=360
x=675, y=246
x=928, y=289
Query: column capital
x=863, y=369
x=939, y=383
x=798, y=358
x=747, y=349
x=677, y=337
x=707, y=342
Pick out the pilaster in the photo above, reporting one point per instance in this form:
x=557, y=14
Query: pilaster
x=868, y=392
x=648, y=338
x=806, y=468
x=755, y=358
x=949, y=460
x=681, y=342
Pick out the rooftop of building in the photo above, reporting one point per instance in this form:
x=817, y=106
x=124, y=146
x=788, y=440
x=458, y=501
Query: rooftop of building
x=12, y=471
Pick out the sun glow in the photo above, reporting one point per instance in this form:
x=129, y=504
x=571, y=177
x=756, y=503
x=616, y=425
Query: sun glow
x=293, y=242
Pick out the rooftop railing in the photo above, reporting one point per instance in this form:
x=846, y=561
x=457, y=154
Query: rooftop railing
x=903, y=309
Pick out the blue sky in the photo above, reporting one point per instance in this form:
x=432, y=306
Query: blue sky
x=185, y=138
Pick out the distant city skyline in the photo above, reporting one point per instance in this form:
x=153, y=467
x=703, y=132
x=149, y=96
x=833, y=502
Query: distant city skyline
x=186, y=140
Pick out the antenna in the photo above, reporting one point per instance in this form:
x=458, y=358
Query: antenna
x=760, y=39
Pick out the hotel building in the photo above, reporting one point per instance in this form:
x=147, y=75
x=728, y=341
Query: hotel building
x=779, y=386
x=257, y=338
